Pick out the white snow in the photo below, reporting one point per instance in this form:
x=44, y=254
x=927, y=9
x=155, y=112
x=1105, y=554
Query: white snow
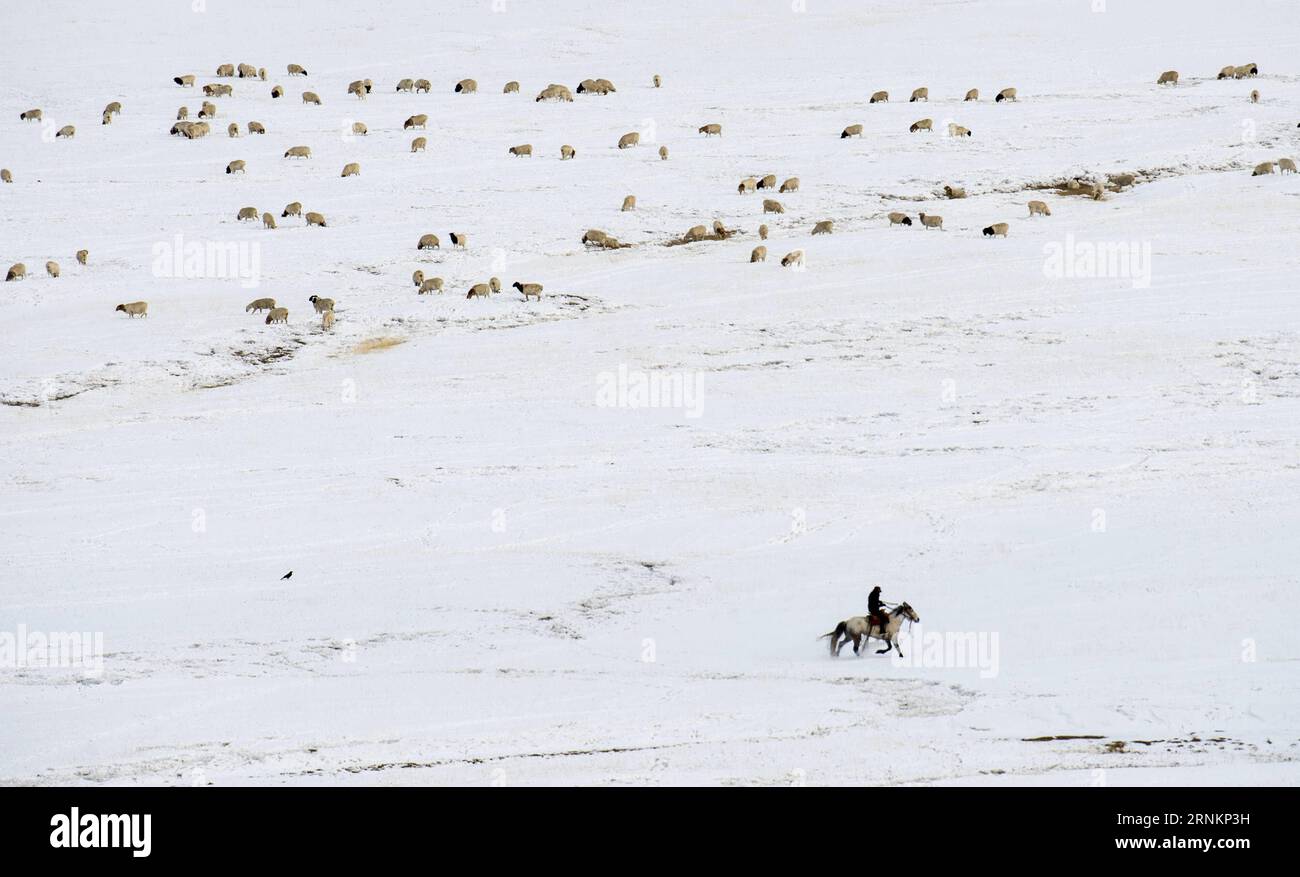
x=498, y=578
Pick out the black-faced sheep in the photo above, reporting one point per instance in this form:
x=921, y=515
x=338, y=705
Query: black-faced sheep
x=134, y=309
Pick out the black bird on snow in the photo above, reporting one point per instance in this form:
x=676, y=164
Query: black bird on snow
x=287, y=575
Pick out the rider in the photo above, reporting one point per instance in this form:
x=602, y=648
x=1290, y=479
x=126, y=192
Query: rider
x=875, y=610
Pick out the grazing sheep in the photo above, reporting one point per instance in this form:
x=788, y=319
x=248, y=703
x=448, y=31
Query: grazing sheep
x=1228, y=72
x=748, y=184
x=1250, y=68
x=106, y=119
x=296, y=70
x=327, y=320
x=762, y=232
x=417, y=278
x=52, y=268
x=276, y=92
x=657, y=81
x=360, y=129
x=17, y=271
x=997, y=229
x=298, y=152
x=555, y=92
x=186, y=81
x=67, y=131
x=1005, y=94
x=663, y=153
x=1169, y=77
x=1122, y=181
x=770, y=206
x=973, y=94
x=218, y=90
x=794, y=257
x=260, y=304
x=358, y=87
x=899, y=219
x=759, y=254
x=695, y=233
x=495, y=284
x=261, y=73
x=134, y=309
x=1039, y=208
x=30, y=116
x=247, y=71
x=310, y=97
x=418, y=144
x=952, y=192
x=466, y=86
x=955, y=130
x=522, y=150
x=604, y=86
x=316, y=219
x=5, y=175
x=113, y=108
x=629, y=140
x=196, y=130
x=1285, y=166
x=594, y=237
x=629, y=203
x=922, y=125
x=512, y=87
x=82, y=256
x=1261, y=169
x=421, y=85
x=880, y=97
x=1242, y=72
x=232, y=130
x=182, y=114
x=567, y=152
x=533, y=290
x=1254, y=96
x=208, y=111
x=351, y=169
x=932, y=221
x=458, y=239
x=417, y=121
x=293, y=208
x=407, y=85
x=790, y=185
x=479, y=290
x=851, y=131
x=720, y=230
x=246, y=213
x=236, y=166
x=826, y=226
x=226, y=70
x=277, y=315
x=433, y=284
x=711, y=129
x=321, y=304
x=767, y=182
x=268, y=221
x=920, y=94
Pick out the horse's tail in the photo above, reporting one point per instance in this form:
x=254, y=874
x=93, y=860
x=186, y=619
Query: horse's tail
x=835, y=635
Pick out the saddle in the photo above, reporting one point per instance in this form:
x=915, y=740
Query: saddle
x=879, y=619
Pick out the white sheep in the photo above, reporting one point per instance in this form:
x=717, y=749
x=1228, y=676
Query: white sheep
x=236, y=166
x=17, y=271
x=316, y=219
x=629, y=203
x=920, y=94
x=512, y=87
x=896, y=218
x=260, y=304
x=310, y=97
x=1006, y=94
x=134, y=309
x=293, y=208
x=431, y=284
x=770, y=206
x=825, y=226
x=1169, y=77
x=351, y=169
x=277, y=315
x=321, y=304
x=629, y=140
x=1039, y=208
x=997, y=229
x=973, y=94
x=419, y=144
x=711, y=129
x=567, y=152
x=790, y=185
x=419, y=120
x=851, y=131
x=246, y=213
x=932, y=221
x=922, y=125
x=1285, y=166
x=525, y=149
x=298, y=152
x=327, y=320
x=459, y=239
x=52, y=268
x=533, y=290
x=758, y=254
x=880, y=97
x=466, y=86
x=795, y=258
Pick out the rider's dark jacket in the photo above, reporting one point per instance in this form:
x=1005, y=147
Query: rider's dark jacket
x=873, y=602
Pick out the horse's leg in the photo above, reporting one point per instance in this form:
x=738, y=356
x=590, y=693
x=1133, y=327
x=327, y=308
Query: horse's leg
x=889, y=644
x=857, y=644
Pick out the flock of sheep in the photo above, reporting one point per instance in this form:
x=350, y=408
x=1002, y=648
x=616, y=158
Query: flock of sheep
x=324, y=307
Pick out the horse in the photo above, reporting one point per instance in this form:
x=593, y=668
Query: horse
x=859, y=629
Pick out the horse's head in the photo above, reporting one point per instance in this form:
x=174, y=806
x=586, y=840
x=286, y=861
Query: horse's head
x=906, y=610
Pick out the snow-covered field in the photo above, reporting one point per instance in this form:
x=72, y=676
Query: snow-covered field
x=508, y=570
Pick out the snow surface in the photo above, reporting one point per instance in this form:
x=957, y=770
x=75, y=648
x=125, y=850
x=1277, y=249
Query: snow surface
x=498, y=578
